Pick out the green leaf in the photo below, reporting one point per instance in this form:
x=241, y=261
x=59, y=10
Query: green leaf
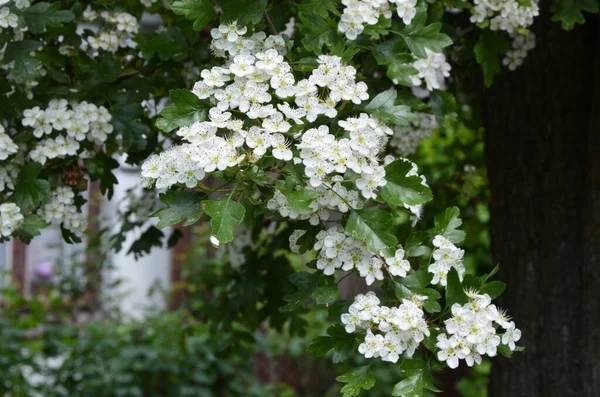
x=337, y=339
x=490, y=274
x=29, y=190
x=447, y=224
x=325, y=294
x=494, y=289
x=226, y=215
x=42, y=15
x=306, y=284
x=126, y=110
x=245, y=12
x=169, y=43
x=357, y=379
x=431, y=304
x=100, y=167
x=373, y=226
x=379, y=30
x=19, y=53
x=181, y=206
x=403, y=189
x=420, y=38
x=414, y=244
x=300, y=200
x=318, y=32
x=488, y=52
x=318, y=7
x=187, y=110
x=454, y=290
x=506, y=352
x=384, y=107
x=410, y=387
x=151, y=237
x=201, y=12
x=419, y=279
x=570, y=12
x=31, y=226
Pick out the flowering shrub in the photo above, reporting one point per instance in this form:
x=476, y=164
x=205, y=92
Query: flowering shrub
x=295, y=138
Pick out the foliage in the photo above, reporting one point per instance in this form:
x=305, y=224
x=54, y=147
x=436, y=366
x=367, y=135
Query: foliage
x=287, y=231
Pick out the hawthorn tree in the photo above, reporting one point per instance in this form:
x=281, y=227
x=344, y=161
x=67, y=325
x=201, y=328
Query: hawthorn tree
x=288, y=126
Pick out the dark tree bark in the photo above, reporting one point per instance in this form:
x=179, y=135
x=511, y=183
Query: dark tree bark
x=543, y=156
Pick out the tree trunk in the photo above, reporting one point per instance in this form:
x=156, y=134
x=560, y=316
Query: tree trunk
x=543, y=154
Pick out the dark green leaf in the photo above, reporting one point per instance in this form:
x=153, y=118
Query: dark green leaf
x=570, y=12
x=201, y=12
x=226, y=215
x=245, y=12
x=373, y=226
x=494, y=289
x=357, y=379
x=337, y=339
x=447, y=224
x=384, y=107
x=420, y=38
x=180, y=206
x=488, y=52
x=306, y=284
x=403, y=189
x=454, y=290
x=300, y=200
x=19, y=52
x=42, y=15
x=29, y=190
x=151, y=237
x=318, y=32
x=410, y=387
x=325, y=294
x=187, y=110
x=414, y=244
x=100, y=167
x=31, y=226
x=321, y=8
x=419, y=279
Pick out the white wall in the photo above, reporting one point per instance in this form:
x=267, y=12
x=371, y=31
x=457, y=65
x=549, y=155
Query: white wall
x=141, y=275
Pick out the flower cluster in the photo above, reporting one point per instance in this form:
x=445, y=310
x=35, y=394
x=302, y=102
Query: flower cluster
x=445, y=257
x=10, y=219
x=431, y=70
x=334, y=198
x=257, y=82
x=359, y=13
x=402, y=328
x=67, y=128
x=406, y=138
x=521, y=45
x=506, y=15
x=118, y=31
x=63, y=210
x=338, y=250
x=7, y=146
x=7, y=19
x=8, y=175
x=472, y=331
x=10, y=19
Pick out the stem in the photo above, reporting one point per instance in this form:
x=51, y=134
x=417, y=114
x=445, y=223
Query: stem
x=270, y=23
x=336, y=193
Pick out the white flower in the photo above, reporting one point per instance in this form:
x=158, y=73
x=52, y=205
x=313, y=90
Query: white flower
x=398, y=266
x=11, y=219
x=511, y=336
